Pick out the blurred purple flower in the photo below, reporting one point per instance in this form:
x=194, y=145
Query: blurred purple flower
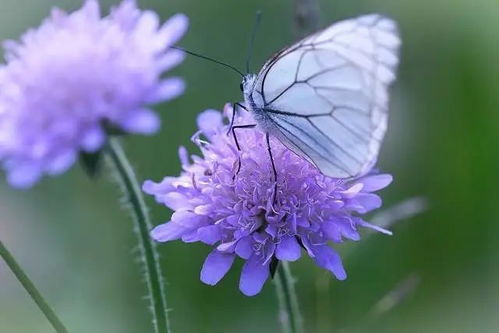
x=63, y=81
x=238, y=217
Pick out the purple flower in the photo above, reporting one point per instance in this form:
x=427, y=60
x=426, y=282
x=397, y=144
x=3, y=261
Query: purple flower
x=77, y=74
x=238, y=217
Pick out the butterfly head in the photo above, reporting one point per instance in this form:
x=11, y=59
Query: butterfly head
x=247, y=84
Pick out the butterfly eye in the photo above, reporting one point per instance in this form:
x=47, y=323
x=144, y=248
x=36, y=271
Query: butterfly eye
x=241, y=86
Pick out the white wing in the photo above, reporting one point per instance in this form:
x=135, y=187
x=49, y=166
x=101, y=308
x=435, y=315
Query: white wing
x=326, y=97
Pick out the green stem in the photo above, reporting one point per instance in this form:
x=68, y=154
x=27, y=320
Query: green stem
x=31, y=289
x=148, y=253
x=289, y=310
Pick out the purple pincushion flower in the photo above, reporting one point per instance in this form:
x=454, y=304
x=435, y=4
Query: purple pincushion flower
x=77, y=72
x=238, y=217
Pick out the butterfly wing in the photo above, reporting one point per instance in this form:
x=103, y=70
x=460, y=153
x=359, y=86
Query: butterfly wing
x=326, y=97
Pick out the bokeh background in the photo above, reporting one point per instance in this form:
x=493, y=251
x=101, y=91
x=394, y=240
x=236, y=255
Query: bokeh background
x=76, y=243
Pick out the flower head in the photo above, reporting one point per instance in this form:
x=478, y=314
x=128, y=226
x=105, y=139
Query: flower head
x=238, y=215
x=78, y=73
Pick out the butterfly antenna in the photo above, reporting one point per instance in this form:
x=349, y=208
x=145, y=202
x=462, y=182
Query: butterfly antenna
x=258, y=18
x=209, y=59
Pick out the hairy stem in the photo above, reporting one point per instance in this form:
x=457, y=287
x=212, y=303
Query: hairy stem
x=289, y=310
x=31, y=289
x=148, y=254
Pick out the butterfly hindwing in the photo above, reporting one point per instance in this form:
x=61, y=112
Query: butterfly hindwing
x=326, y=97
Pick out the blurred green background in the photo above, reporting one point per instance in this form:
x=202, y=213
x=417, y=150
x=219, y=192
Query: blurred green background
x=76, y=243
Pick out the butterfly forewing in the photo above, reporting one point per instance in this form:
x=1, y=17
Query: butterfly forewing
x=326, y=97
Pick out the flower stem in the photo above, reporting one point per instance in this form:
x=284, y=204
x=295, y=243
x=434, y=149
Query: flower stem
x=289, y=311
x=31, y=289
x=148, y=254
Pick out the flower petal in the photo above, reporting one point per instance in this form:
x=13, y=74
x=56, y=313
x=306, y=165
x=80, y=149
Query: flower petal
x=173, y=200
x=331, y=231
x=23, y=177
x=167, y=232
x=327, y=258
x=61, y=163
x=367, y=202
x=142, y=121
x=244, y=247
x=210, y=234
x=173, y=29
x=147, y=23
x=93, y=139
x=288, y=249
x=158, y=189
x=339, y=227
x=353, y=190
x=253, y=276
x=216, y=265
x=188, y=219
x=166, y=90
x=90, y=8
x=203, y=209
x=170, y=59
x=227, y=247
x=209, y=121
x=376, y=182
x=182, y=223
x=190, y=236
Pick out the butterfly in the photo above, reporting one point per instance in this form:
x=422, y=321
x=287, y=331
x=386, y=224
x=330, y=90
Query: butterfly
x=326, y=96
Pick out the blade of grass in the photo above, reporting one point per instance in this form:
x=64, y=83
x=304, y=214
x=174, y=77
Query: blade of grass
x=29, y=286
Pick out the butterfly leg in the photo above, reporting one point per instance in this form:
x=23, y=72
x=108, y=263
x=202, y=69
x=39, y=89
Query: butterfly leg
x=274, y=170
x=233, y=130
x=234, y=108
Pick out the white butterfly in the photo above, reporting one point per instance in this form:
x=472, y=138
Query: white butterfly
x=326, y=97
